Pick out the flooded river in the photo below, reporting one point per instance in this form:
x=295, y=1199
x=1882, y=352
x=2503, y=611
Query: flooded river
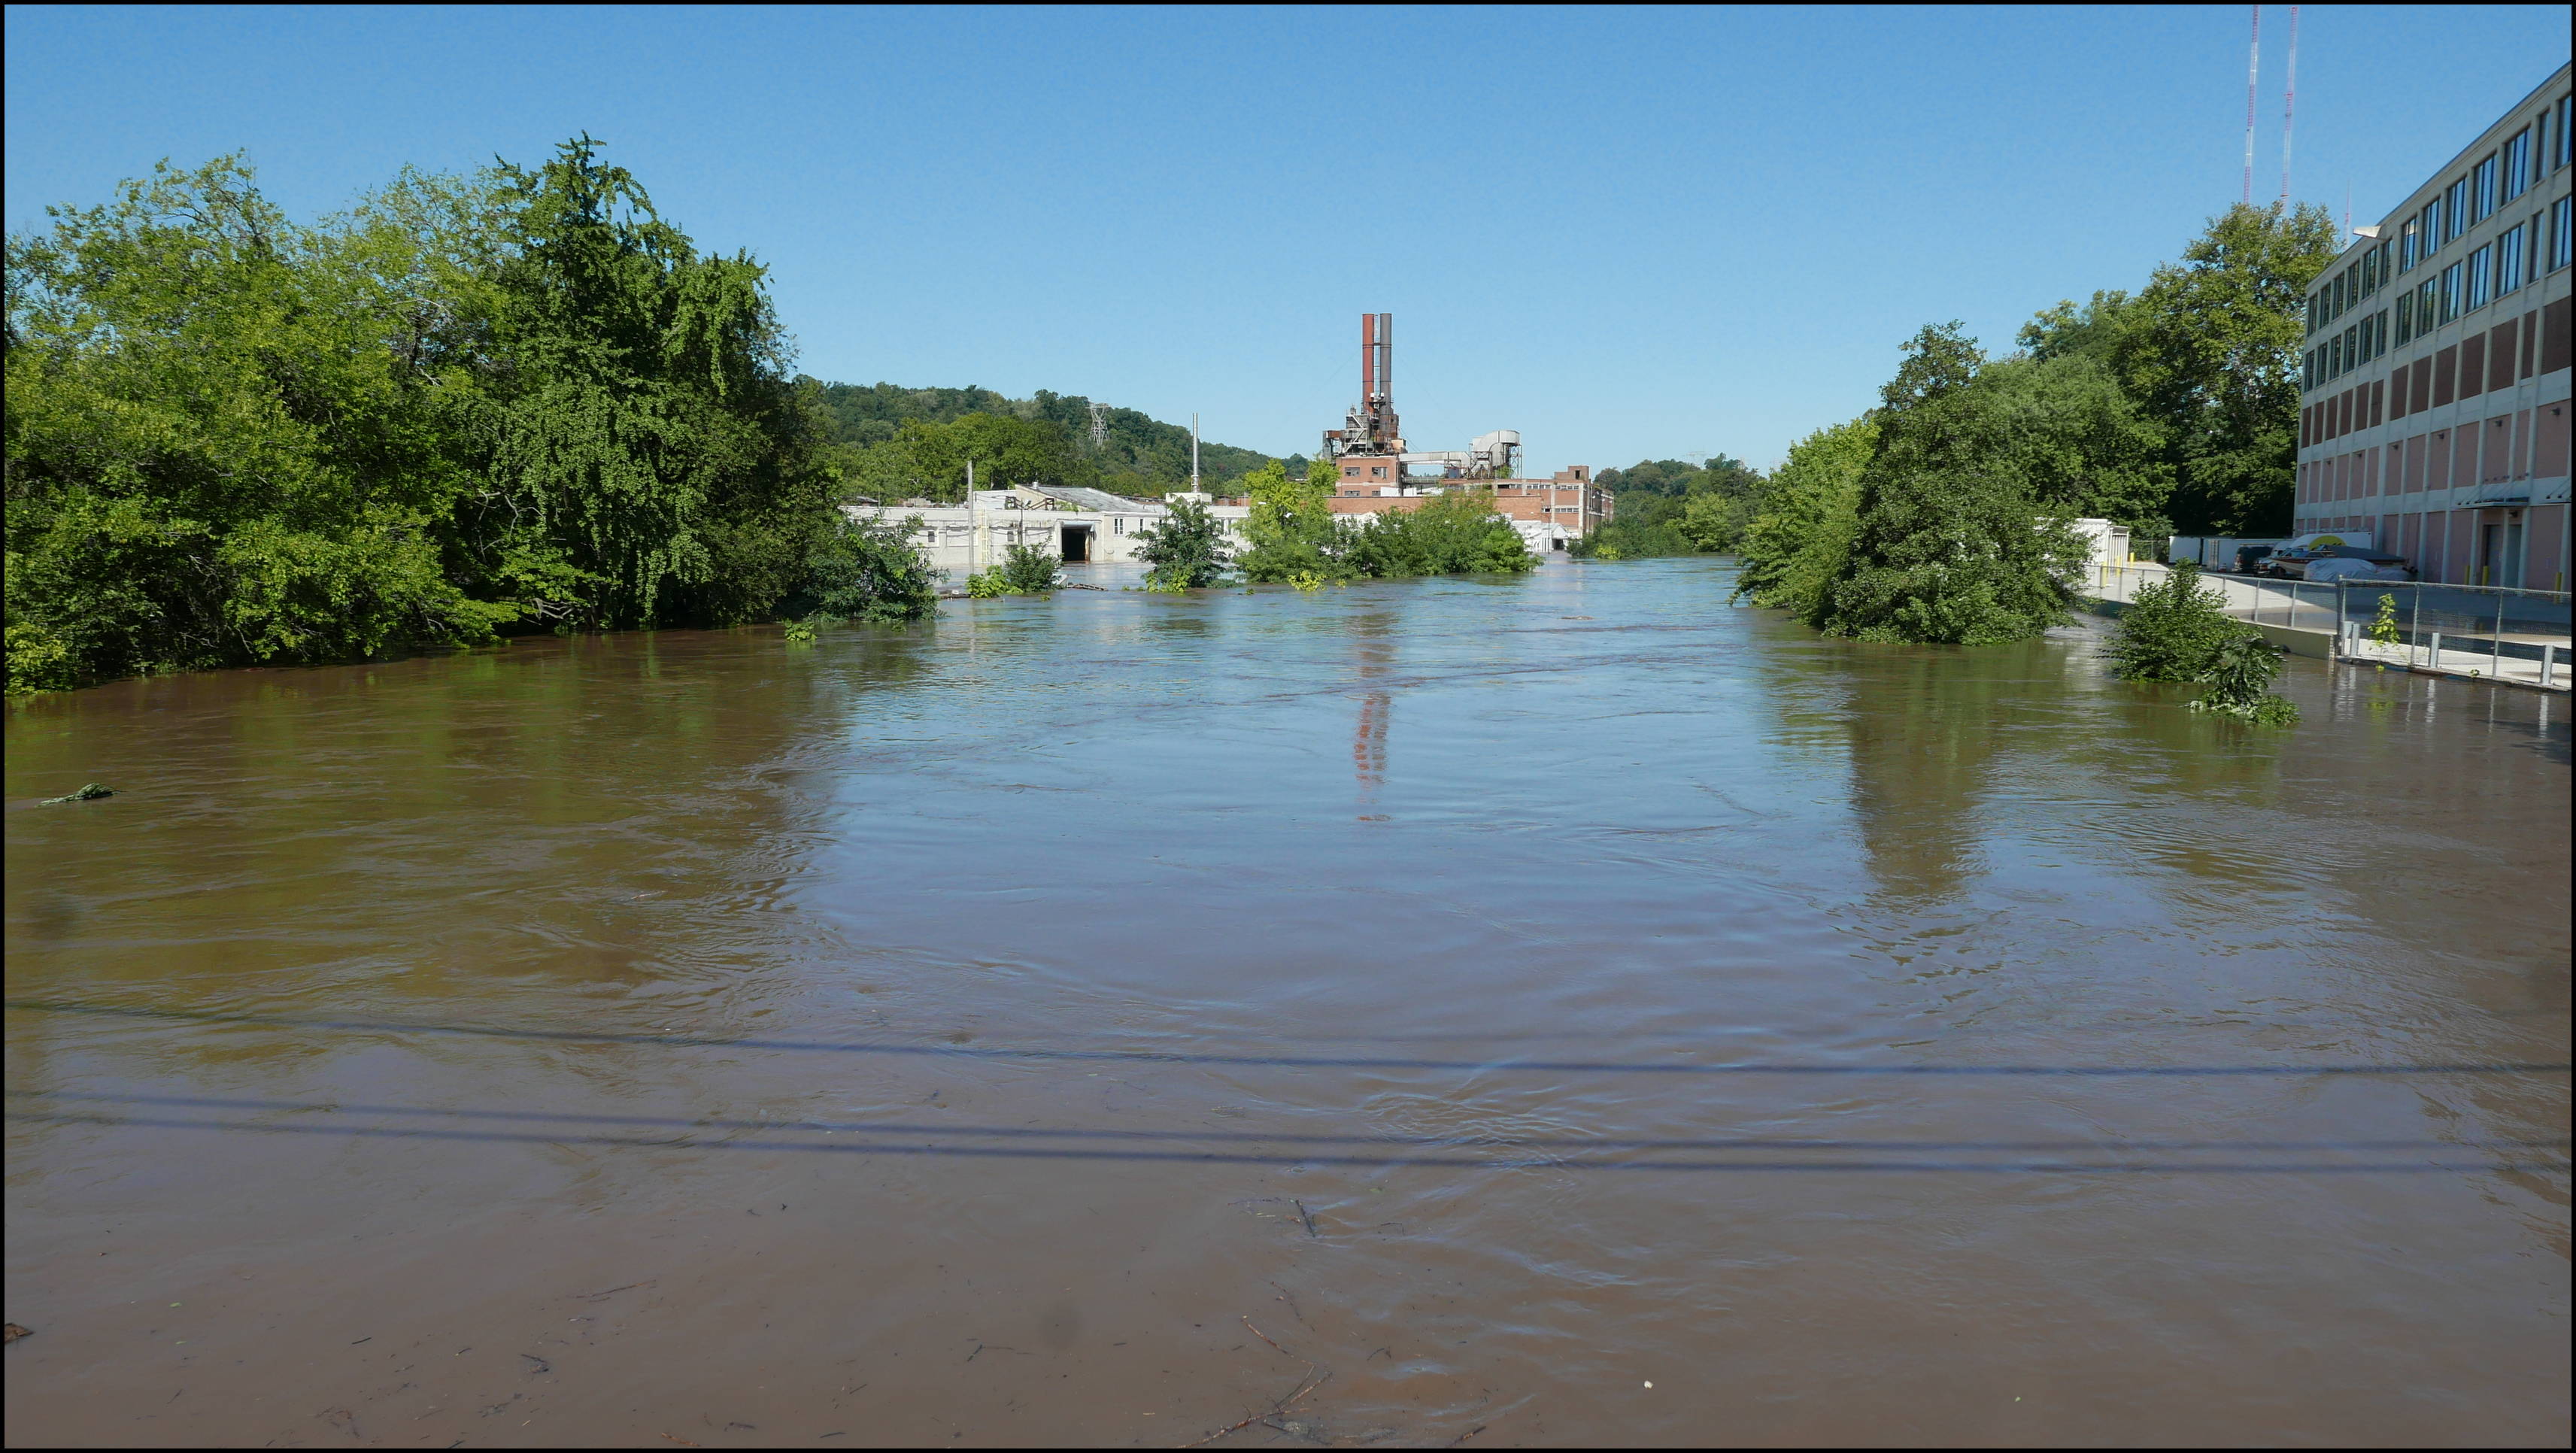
x=1554, y=1011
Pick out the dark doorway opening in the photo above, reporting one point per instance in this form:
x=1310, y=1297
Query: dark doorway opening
x=1077, y=544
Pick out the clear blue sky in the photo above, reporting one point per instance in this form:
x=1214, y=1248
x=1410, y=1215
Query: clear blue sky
x=1627, y=233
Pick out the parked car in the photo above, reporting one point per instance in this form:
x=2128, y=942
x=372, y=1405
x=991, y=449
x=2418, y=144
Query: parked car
x=2249, y=558
x=2304, y=564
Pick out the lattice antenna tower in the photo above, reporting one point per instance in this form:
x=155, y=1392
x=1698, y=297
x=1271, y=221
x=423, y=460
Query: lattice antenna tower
x=1100, y=422
x=2253, y=67
x=2289, y=106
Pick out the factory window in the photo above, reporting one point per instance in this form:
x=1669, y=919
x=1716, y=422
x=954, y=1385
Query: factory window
x=2517, y=164
x=2409, y=237
x=2482, y=191
x=2558, y=153
x=2560, y=252
x=2455, y=209
x=2432, y=228
x=1350, y=471
x=2508, y=272
x=2479, y=277
x=2405, y=318
x=1377, y=471
x=2450, y=292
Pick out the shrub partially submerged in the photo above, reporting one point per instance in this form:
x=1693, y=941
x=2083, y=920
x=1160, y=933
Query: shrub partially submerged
x=1452, y=534
x=864, y=570
x=2240, y=678
x=1025, y=570
x=1186, y=551
x=2180, y=631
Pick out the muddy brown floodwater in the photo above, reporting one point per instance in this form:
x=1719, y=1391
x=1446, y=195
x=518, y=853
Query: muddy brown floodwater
x=1556, y=1011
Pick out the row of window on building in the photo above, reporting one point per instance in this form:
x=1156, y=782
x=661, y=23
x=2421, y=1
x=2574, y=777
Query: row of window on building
x=2496, y=269
x=2493, y=182
x=2516, y=348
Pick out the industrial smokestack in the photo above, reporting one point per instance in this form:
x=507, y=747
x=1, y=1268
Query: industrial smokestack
x=1368, y=355
x=1386, y=354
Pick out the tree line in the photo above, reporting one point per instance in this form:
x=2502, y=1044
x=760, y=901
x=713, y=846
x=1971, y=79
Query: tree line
x=1669, y=507
x=466, y=406
x=1942, y=514
x=893, y=443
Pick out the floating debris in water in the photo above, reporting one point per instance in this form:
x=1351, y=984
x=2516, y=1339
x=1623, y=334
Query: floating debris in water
x=89, y=792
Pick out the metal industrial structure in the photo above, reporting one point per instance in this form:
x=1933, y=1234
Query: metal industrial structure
x=1371, y=430
x=1378, y=473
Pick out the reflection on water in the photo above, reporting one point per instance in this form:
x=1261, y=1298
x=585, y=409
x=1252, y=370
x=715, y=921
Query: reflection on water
x=967, y=1032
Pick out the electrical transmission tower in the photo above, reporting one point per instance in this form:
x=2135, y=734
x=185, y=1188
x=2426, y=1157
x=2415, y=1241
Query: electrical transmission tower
x=1099, y=427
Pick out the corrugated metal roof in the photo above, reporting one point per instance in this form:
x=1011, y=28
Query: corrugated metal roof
x=1098, y=500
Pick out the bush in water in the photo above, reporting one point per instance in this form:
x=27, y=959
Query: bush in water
x=1186, y=551
x=2173, y=631
x=2239, y=678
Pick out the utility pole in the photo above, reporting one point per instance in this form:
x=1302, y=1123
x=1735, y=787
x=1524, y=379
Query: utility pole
x=971, y=541
x=1194, y=453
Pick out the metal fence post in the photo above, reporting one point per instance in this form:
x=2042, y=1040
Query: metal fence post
x=2415, y=624
x=2495, y=665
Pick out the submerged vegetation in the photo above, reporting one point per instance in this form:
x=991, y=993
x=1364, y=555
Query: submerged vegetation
x=1187, y=551
x=1024, y=570
x=466, y=406
x=1940, y=515
x=1292, y=535
x=2179, y=631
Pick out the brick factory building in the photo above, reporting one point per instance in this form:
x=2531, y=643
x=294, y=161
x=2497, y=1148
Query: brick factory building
x=2435, y=386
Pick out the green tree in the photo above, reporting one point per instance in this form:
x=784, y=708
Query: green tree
x=466, y=404
x=1716, y=522
x=646, y=408
x=866, y=570
x=1948, y=548
x=1185, y=552
x=230, y=438
x=1023, y=570
x=1805, y=518
x=2210, y=350
x=2173, y=630
x=1450, y=534
x=1290, y=530
x=1005, y=451
x=1669, y=507
x=2072, y=440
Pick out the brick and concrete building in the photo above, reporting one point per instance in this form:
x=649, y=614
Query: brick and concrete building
x=1549, y=513
x=2434, y=390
